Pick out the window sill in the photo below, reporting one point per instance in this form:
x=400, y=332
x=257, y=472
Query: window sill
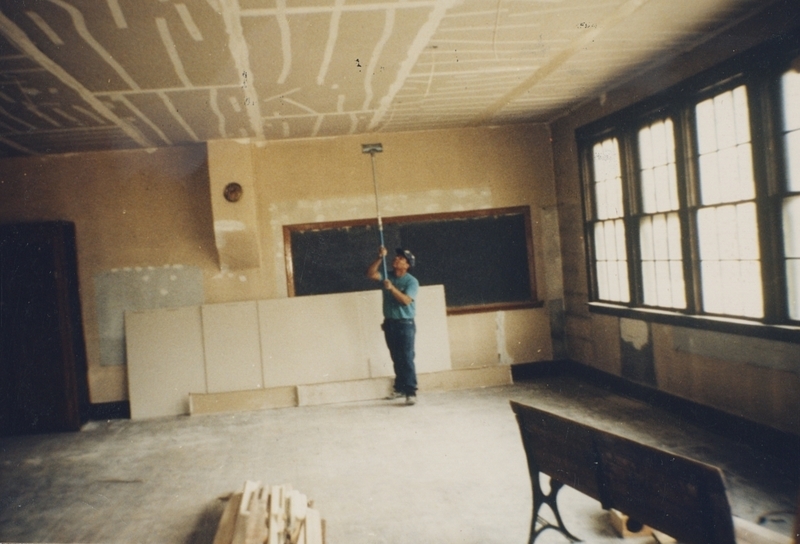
x=783, y=333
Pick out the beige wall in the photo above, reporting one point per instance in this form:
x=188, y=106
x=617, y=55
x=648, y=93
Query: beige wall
x=753, y=378
x=155, y=208
x=130, y=208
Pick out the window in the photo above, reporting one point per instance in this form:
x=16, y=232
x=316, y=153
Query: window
x=659, y=225
x=726, y=218
x=790, y=207
x=609, y=231
x=692, y=199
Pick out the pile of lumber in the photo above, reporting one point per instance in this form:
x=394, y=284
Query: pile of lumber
x=275, y=514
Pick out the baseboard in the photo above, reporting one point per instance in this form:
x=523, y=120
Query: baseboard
x=110, y=410
x=344, y=391
x=763, y=437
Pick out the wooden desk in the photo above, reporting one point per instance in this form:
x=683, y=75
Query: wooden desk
x=681, y=497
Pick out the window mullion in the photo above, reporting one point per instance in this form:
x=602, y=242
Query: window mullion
x=590, y=218
x=767, y=151
x=686, y=164
x=632, y=209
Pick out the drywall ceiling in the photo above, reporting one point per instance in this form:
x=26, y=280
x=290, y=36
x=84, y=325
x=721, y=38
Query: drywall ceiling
x=80, y=75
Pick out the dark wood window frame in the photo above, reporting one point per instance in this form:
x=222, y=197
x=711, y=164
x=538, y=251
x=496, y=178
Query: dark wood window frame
x=760, y=70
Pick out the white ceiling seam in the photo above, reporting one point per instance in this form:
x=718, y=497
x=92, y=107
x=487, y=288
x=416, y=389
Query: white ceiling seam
x=561, y=58
x=286, y=40
x=17, y=37
x=80, y=26
x=333, y=34
x=388, y=26
x=421, y=64
x=310, y=10
x=172, y=52
x=45, y=28
x=188, y=22
x=119, y=97
x=240, y=53
x=212, y=100
x=117, y=15
x=421, y=40
x=177, y=116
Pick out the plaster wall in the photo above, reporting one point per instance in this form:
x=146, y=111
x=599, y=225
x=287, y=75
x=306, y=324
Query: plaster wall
x=763, y=386
x=133, y=210
x=139, y=209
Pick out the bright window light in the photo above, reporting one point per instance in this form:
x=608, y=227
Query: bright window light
x=790, y=212
x=726, y=224
x=611, y=260
x=660, y=233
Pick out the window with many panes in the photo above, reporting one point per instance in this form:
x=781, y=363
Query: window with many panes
x=692, y=200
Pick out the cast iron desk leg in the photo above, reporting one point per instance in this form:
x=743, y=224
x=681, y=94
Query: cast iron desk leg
x=540, y=498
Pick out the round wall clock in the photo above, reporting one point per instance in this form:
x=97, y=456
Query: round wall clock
x=233, y=192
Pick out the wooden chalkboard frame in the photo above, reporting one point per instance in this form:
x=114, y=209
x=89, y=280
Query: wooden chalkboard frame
x=522, y=211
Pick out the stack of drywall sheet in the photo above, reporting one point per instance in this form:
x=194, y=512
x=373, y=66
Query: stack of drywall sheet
x=321, y=343
x=275, y=514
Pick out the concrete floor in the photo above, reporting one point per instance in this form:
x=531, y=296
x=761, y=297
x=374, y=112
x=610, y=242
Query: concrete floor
x=449, y=470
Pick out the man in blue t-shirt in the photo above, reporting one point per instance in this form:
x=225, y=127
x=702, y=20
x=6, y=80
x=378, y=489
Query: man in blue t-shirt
x=399, y=291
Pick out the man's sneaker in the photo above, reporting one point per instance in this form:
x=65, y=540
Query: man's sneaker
x=394, y=395
x=411, y=399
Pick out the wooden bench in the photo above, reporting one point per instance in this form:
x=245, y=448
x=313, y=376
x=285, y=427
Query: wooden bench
x=681, y=497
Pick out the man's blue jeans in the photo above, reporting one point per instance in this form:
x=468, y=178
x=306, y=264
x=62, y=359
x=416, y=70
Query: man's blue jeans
x=399, y=334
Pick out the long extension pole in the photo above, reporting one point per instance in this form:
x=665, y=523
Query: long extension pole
x=372, y=149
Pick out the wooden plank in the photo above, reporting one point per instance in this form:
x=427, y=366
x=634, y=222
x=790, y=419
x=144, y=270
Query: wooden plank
x=296, y=508
x=623, y=525
x=237, y=401
x=256, y=532
x=225, y=528
x=243, y=518
x=313, y=527
x=277, y=513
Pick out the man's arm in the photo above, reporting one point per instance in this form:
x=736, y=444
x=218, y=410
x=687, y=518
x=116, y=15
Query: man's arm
x=372, y=271
x=398, y=295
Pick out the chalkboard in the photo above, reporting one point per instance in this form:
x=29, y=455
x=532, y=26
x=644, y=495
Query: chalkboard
x=483, y=258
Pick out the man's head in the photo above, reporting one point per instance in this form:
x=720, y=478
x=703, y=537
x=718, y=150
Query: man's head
x=403, y=260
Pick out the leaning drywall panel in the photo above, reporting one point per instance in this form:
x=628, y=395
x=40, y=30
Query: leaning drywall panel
x=432, y=344
x=311, y=339
x=232, y=346
x=165, y=360
x=370, y=317
x=139, y=288
x=433, y=339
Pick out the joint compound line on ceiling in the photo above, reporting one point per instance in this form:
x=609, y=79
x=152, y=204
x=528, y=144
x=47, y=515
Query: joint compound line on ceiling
x=231, y=14
x=421, y=40
x=314, y=10
x=16, y=146
x=286, y=40
x=388, y=26
x=188, y=22
x=83, y=31
x=172, y=51
x=117, y=15
x=19, y=39
x=136, y=111
x=212, y=101
x=44, y=27
x=558, y=60
x=333, y=34
x=177, y=116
